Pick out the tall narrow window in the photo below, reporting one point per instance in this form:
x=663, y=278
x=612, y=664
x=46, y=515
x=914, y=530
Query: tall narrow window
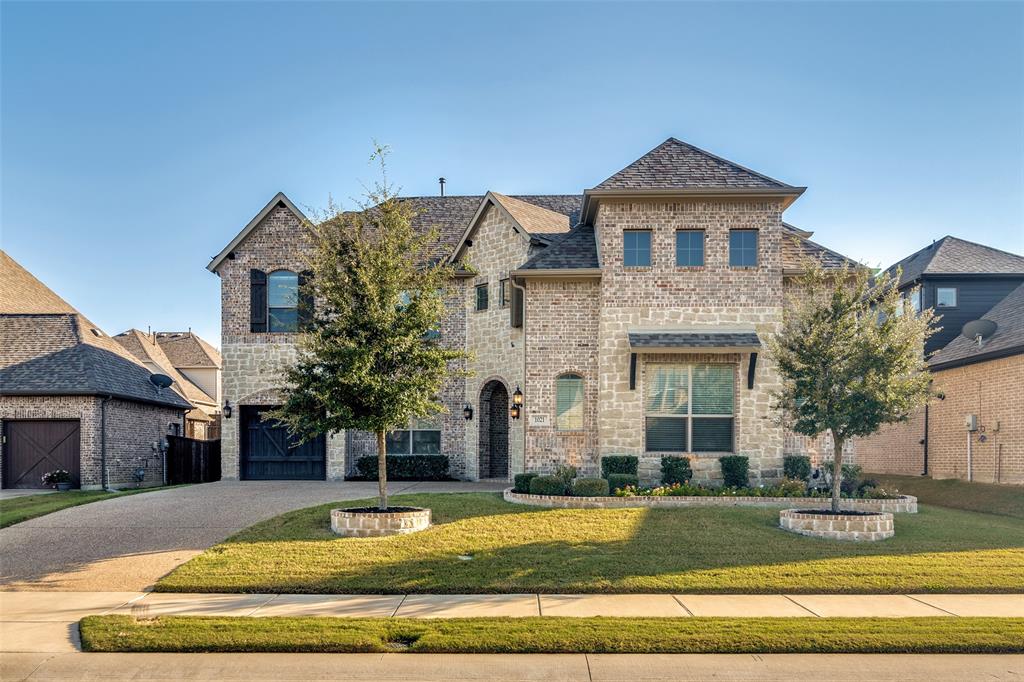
x=742, y=248
x=481, y=296
x=689, y=408
x=636, y=248
x=690, y=248
x=505, y=292
x=569, y=402
x=283, y=301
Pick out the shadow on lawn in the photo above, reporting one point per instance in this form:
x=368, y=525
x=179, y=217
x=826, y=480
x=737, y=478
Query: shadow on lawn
x=665, y=550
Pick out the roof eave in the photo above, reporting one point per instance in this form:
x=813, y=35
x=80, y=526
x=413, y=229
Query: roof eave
x=558, y=273
x=100, y=394
x=980, y=357
x=592, y=196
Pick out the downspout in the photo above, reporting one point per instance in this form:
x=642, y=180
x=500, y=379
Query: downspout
x=512, y=281
x=103, y=441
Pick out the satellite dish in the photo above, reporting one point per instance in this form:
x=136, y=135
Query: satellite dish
x=979, y=330
x=160, y=380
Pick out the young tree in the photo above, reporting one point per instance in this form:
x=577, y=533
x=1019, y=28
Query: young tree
x=369, y=359
x=851, y=357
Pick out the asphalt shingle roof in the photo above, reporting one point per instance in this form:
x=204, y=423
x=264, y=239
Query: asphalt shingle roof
x=953, y=256
x=574, y=251
x=675, y=164
x=20, y=292
x=185, y=349
x=532, y=218
x=145, y=348
x=1008, y=338
x=796, y=248
x=696, y=340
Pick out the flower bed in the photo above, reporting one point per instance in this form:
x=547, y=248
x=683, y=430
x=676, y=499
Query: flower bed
x=901, y=504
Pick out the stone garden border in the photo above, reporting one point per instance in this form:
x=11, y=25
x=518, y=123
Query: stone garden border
x=906, y=504
x=861, y=528
x=356, y=524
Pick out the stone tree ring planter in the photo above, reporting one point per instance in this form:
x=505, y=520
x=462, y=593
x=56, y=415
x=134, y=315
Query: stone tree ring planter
x=368, y=522
x=846, y=525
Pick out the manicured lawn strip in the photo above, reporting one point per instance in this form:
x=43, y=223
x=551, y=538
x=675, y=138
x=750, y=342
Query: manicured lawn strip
x=18, y=509
x=988, y=498
x=528, y=549
x=180, y=634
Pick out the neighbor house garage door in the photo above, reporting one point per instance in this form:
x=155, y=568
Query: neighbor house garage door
x=269, y=452
x=32, y=448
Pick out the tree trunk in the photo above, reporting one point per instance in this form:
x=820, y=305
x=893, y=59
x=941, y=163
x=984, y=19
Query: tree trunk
x=382, y=471
x=837, y=475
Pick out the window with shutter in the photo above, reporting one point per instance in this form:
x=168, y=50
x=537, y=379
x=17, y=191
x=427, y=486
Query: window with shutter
x=305, y=299
x=689, y=407
x=257, y=301
x=569, y=402
x=283, y=301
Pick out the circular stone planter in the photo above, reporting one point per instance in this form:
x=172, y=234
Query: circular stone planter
x=368, y=522
x=858, y=526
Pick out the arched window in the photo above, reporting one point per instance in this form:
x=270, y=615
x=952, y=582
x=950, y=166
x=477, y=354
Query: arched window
x=569, y=402
x=283, y=301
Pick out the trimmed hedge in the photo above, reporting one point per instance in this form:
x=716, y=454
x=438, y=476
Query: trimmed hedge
x=735, y=470
x=590, y=487
x=619, y=464
x=547, y=485
x=797, y=467
x=675, y=469
x=405, y=468
x=617, y=481
x=523, y=482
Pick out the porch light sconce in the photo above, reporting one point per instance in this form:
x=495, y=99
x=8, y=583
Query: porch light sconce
x=467, y=412
x=517, y=403
x=227, y=409
x=516, y=410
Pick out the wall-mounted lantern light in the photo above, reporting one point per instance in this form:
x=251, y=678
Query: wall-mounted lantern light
x=517, y=403
x=467, y=412
x=227, y=409
x=516, y=411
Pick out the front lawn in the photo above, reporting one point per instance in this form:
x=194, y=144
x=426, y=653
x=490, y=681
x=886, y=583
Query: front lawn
x=178, y=634
x=988, y=498
x=18, y=509
x=526, y=549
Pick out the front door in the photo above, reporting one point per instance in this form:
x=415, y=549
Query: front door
x=270, y=453
x=35, y=447
x=493, y=443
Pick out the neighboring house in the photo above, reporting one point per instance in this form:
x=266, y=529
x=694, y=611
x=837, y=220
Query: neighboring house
x=961, y=280
x=629, y=319
x=975, y=380
x=203, y=422
x=71, y=397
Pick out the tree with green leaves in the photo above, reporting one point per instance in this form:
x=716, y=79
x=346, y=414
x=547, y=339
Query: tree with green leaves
x=850, y=355
x=370, y=358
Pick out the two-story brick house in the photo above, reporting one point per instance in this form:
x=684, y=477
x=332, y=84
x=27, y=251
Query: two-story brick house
x=628, y=320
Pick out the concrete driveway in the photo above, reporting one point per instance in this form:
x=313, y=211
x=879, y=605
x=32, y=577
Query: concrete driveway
x=128, y=543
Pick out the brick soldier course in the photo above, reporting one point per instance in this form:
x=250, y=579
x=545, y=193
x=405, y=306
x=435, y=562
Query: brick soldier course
x=561, y=300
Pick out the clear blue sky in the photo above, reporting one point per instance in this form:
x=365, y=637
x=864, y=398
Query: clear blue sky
x=138, y=138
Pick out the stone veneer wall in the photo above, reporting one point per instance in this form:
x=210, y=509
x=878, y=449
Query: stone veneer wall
x=990, y=390
x=132, y=428
x=497, y=348
x=664, y=295
x=561, y=338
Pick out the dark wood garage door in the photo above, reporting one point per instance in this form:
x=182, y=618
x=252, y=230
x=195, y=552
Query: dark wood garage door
x=32, y=448
x=270, y=453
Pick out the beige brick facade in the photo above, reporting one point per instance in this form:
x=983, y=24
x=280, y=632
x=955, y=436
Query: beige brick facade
x=991, y=391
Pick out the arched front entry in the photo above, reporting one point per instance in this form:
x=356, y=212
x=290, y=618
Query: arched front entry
x=493, y=446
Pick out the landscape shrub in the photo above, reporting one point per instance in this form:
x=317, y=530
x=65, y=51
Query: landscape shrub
x=590, y=487
x=675, y=470
x=797, y=467
x=735, y=471
x=547, y=485
x=405, y=468
x=619, y=464
x=565, y=474
x=786, y=488
x=523, y=482
x=617, y=481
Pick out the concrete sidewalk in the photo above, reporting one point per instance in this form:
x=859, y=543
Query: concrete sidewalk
x=46, y=622
x=514, y=668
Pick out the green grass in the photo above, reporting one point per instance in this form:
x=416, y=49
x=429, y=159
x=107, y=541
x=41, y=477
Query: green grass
x=988, y=498
x=182, y=634
x=527, y=549
x=18, y=509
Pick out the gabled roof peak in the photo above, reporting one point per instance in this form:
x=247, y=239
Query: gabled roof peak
x=279, y=199
x=954, y=256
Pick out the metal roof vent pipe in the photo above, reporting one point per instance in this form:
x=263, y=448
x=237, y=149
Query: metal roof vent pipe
x=441, y=182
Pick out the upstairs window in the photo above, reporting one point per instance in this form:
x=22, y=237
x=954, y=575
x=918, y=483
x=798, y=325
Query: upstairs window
x=481, y=296
x=689, y=407
x=690, y=248
x=569, y=402
x=283, y=301
x=636, y=248
x=742, y=248
x=945, y=297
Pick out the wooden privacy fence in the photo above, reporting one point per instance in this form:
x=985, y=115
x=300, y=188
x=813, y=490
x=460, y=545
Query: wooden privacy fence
x=192, y=461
